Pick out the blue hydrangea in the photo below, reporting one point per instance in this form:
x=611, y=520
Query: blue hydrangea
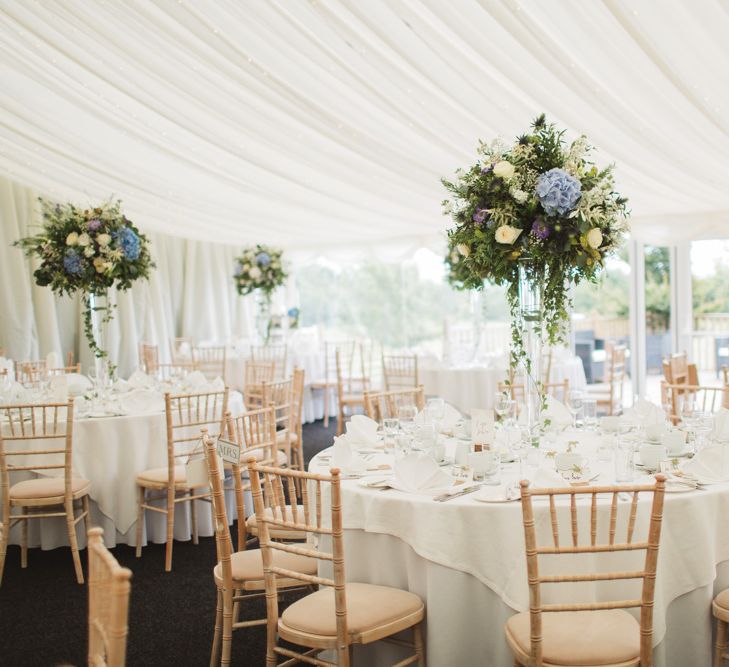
x=558, y=192
x=293, y=312
x=238, y=269
x=72, y=263
x=263, y=259
x=129, y=242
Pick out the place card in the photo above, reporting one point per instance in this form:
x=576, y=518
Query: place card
x=228, y=451
x=482, y=429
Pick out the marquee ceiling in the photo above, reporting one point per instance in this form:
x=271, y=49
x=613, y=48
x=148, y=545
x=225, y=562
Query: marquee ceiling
x=330, y=122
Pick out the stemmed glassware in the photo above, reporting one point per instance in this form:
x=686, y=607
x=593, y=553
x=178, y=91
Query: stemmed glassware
x=575, y=400
x=406, y=417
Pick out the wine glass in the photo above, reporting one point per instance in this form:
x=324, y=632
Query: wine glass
x=406, y=417
x=501, y=404
x=575, y=400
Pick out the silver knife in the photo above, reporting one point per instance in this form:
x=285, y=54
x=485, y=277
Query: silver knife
x=447, y=496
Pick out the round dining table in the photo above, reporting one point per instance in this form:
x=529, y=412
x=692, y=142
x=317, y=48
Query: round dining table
x=465, y=557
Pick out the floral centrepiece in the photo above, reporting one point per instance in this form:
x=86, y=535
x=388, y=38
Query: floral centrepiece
x=538, y=203
x=87, y=250
x=259, y=268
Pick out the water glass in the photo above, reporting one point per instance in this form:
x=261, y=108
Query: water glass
x=391, y=427
x=624, y=461
x=436, y=409
x=501, y=404
x=589, y=413
x=575, y=400
x=406, y=417
x=403, y=444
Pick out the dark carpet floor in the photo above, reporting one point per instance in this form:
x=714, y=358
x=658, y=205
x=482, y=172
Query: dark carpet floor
x=172, y=614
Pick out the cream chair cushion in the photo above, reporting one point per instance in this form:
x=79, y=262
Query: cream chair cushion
x=46, y=487
x=368, y=607
x=248, y=565
x=721, y=605
x=279, y=533
x=353, y=398
x=578, y=638
x=258, y=453
x=156, y=476
x=282, y=436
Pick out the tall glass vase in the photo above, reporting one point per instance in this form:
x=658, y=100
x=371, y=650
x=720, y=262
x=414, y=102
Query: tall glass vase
x=263, y=316
x=98, y=310
x=532, y=333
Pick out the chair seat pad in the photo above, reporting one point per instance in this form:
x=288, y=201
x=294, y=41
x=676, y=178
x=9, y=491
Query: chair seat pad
x=722, y=600
x=159, y=476
x=283, y=436
x=368, y=607
x=260, y=453
x=46, y=487
x=578, y=638
x=248, y=565
x=280, y=533
x=353, y=398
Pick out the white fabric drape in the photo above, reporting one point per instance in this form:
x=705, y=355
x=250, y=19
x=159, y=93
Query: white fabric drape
x=309, y=124
x=190, y=293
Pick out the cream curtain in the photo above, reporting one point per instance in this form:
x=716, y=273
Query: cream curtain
x=189, y=293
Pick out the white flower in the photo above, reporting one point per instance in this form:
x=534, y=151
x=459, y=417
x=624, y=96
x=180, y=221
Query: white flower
x=89, y=251
x=255, y=273
x=72, y=238
x=84, y=239
x=101, y=265
x=519, y=195
x=594, y=238
x=507, y=234
x=463, y=249
x=103, y=240
x=504, y=169
x=246, y=268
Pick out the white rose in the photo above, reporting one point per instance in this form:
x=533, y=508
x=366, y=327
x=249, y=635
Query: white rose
x=507, y=234
x=246, y=268
x=504, y=169
x=89, y=251
x=255, y=273
x=103, y=240
x=594, y=238
x=84, y=239
x=72, y=238
x=100, y=265
x=463, y=249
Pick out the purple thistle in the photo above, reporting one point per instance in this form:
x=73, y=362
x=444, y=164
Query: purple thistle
x=541, y=229
x=487, y=169
x=94, y=225
x=480, y=215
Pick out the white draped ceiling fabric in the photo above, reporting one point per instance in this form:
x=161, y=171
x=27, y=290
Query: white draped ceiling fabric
x=329, y=122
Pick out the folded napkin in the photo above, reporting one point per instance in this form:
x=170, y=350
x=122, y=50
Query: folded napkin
x=557, y=412
x=217, y=384
x=710, y=465
x=196, y=380
x=644, y=413
x=546, y=478
x=419, y=473
x=140, y=380
x=77, y=384
x=15, y=393
x=361, y=432
x=52, y=360
x=721, y=425
x=142, y=401
x=345, y=458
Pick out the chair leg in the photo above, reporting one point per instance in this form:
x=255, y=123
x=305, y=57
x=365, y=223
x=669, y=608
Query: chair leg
x=4, y=545
x=73, y=542
x=140, y=519
x=721, y=643
x=326, y=406
x=215, y=654
x=170, y=528
x=193, y=519
x=23, y=540
x=340, y=421
x=419, y=645
x=227, y=627
x=87, y=514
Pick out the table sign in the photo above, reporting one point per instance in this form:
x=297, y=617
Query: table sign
x=229, y=451
x=482, y=429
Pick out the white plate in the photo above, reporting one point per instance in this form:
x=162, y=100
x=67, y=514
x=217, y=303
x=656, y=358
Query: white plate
x=425, y=492
x=495, y=494
x=379, y=483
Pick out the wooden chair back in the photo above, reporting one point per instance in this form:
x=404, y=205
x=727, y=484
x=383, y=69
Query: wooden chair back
x=186, y=415
x=330, y=358
x=299, y=384
x=614, y=543
x=109, y=588
x=255, y=374
x=725, y=374
x=149, y=357
x=351, y=375
x=210, y=361
x=702, y=399
x=278, y=483
x=559, y=390
x=268, y=353
x=70, y=357
x=30, y=373
x=176, y=370
x=280, y=395
x=381, y=405
x=400, y=370
x=65, y=370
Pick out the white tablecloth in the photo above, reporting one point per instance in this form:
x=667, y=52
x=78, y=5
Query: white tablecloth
x=466, y=559
x=110, y=452
x=470, y=387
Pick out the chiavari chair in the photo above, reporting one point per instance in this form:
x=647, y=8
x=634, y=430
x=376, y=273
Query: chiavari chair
x=594, y=632
x=109, y=589
x=328, y=383
x=701, y=398
x=609, y=394
x=338, y=615
x=400, y=371
x=275, y=353
x=210, y=361
x=297, y=437
x=280, y=395
x=558, y=390
x=65, y=370
x=41, y=432
x=381, y=405
x=255, y=374
x=31, y=373
x=350, y=386
x=239, y=575
x=185, y=415
x=149, y=357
